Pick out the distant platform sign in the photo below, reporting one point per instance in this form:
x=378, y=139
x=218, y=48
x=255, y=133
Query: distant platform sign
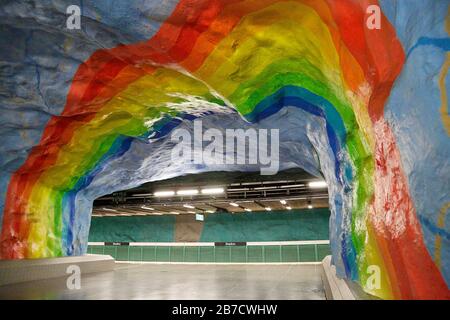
x=229, y=244
x=117, y=243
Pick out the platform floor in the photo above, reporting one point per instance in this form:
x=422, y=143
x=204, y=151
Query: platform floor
x=180, y=282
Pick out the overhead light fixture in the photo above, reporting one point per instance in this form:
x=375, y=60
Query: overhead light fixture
x=213, y=190
x=265, y=188
x=238, y=189
x=173, y=212
x=317, y=184
x=283, y=201
x=209, y=211
x=187, y=192
x=310, y=206
x=147, y=208
x=289, y=208
x=268, y=208
x=248, y=210
x=108, y=209
x=191, y=212
x=167, y=193
x=234, y=204
x=293, y=186
x=188, y=206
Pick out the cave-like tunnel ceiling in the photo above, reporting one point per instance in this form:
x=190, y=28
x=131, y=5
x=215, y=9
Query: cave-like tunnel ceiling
x=357, y=89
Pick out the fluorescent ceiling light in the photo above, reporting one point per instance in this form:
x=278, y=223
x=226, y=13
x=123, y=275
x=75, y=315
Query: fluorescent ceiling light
x=310, y=206
x=248, y=210
x=283, y=201
x=212, y=190
x=293, y=186
x=188, y=206
x=289, y=208
x=234, y=204
x=187, y=192
x=147, y=208
x=108, y=209
x=191, y=211
x=268, y=209
x=174, y=212
x=265, y=188
x=317, y=184
x=209, y=211
x=237, y=189
x=167, y=193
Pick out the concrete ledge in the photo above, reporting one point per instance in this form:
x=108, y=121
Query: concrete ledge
x=335, y=288
x=16, y=271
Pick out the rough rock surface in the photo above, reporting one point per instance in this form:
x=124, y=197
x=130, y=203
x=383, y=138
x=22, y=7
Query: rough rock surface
x=87, y=112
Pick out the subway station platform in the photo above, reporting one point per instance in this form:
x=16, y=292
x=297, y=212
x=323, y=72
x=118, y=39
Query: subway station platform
x=182, y=282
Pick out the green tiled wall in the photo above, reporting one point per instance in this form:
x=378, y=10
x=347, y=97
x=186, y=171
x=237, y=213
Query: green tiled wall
x=267, y=253
x=308, y=224
x=225, y=227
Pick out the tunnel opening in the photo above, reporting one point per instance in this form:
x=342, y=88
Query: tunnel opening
x=251, y=226
x=240, y=196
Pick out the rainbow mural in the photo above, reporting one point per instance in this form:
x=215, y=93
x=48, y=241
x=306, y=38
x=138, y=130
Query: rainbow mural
x=257, y=57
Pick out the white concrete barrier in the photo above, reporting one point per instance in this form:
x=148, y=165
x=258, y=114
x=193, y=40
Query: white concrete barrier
x=16, y=271
x=335, y=288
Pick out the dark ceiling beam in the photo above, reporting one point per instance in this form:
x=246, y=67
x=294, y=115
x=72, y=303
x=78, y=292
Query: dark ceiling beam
x=260, y=204
x=218, y=207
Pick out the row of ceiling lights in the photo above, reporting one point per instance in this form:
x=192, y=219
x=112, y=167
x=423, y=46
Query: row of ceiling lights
x=234, y=204
x=189, y=192
x=218, y=190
